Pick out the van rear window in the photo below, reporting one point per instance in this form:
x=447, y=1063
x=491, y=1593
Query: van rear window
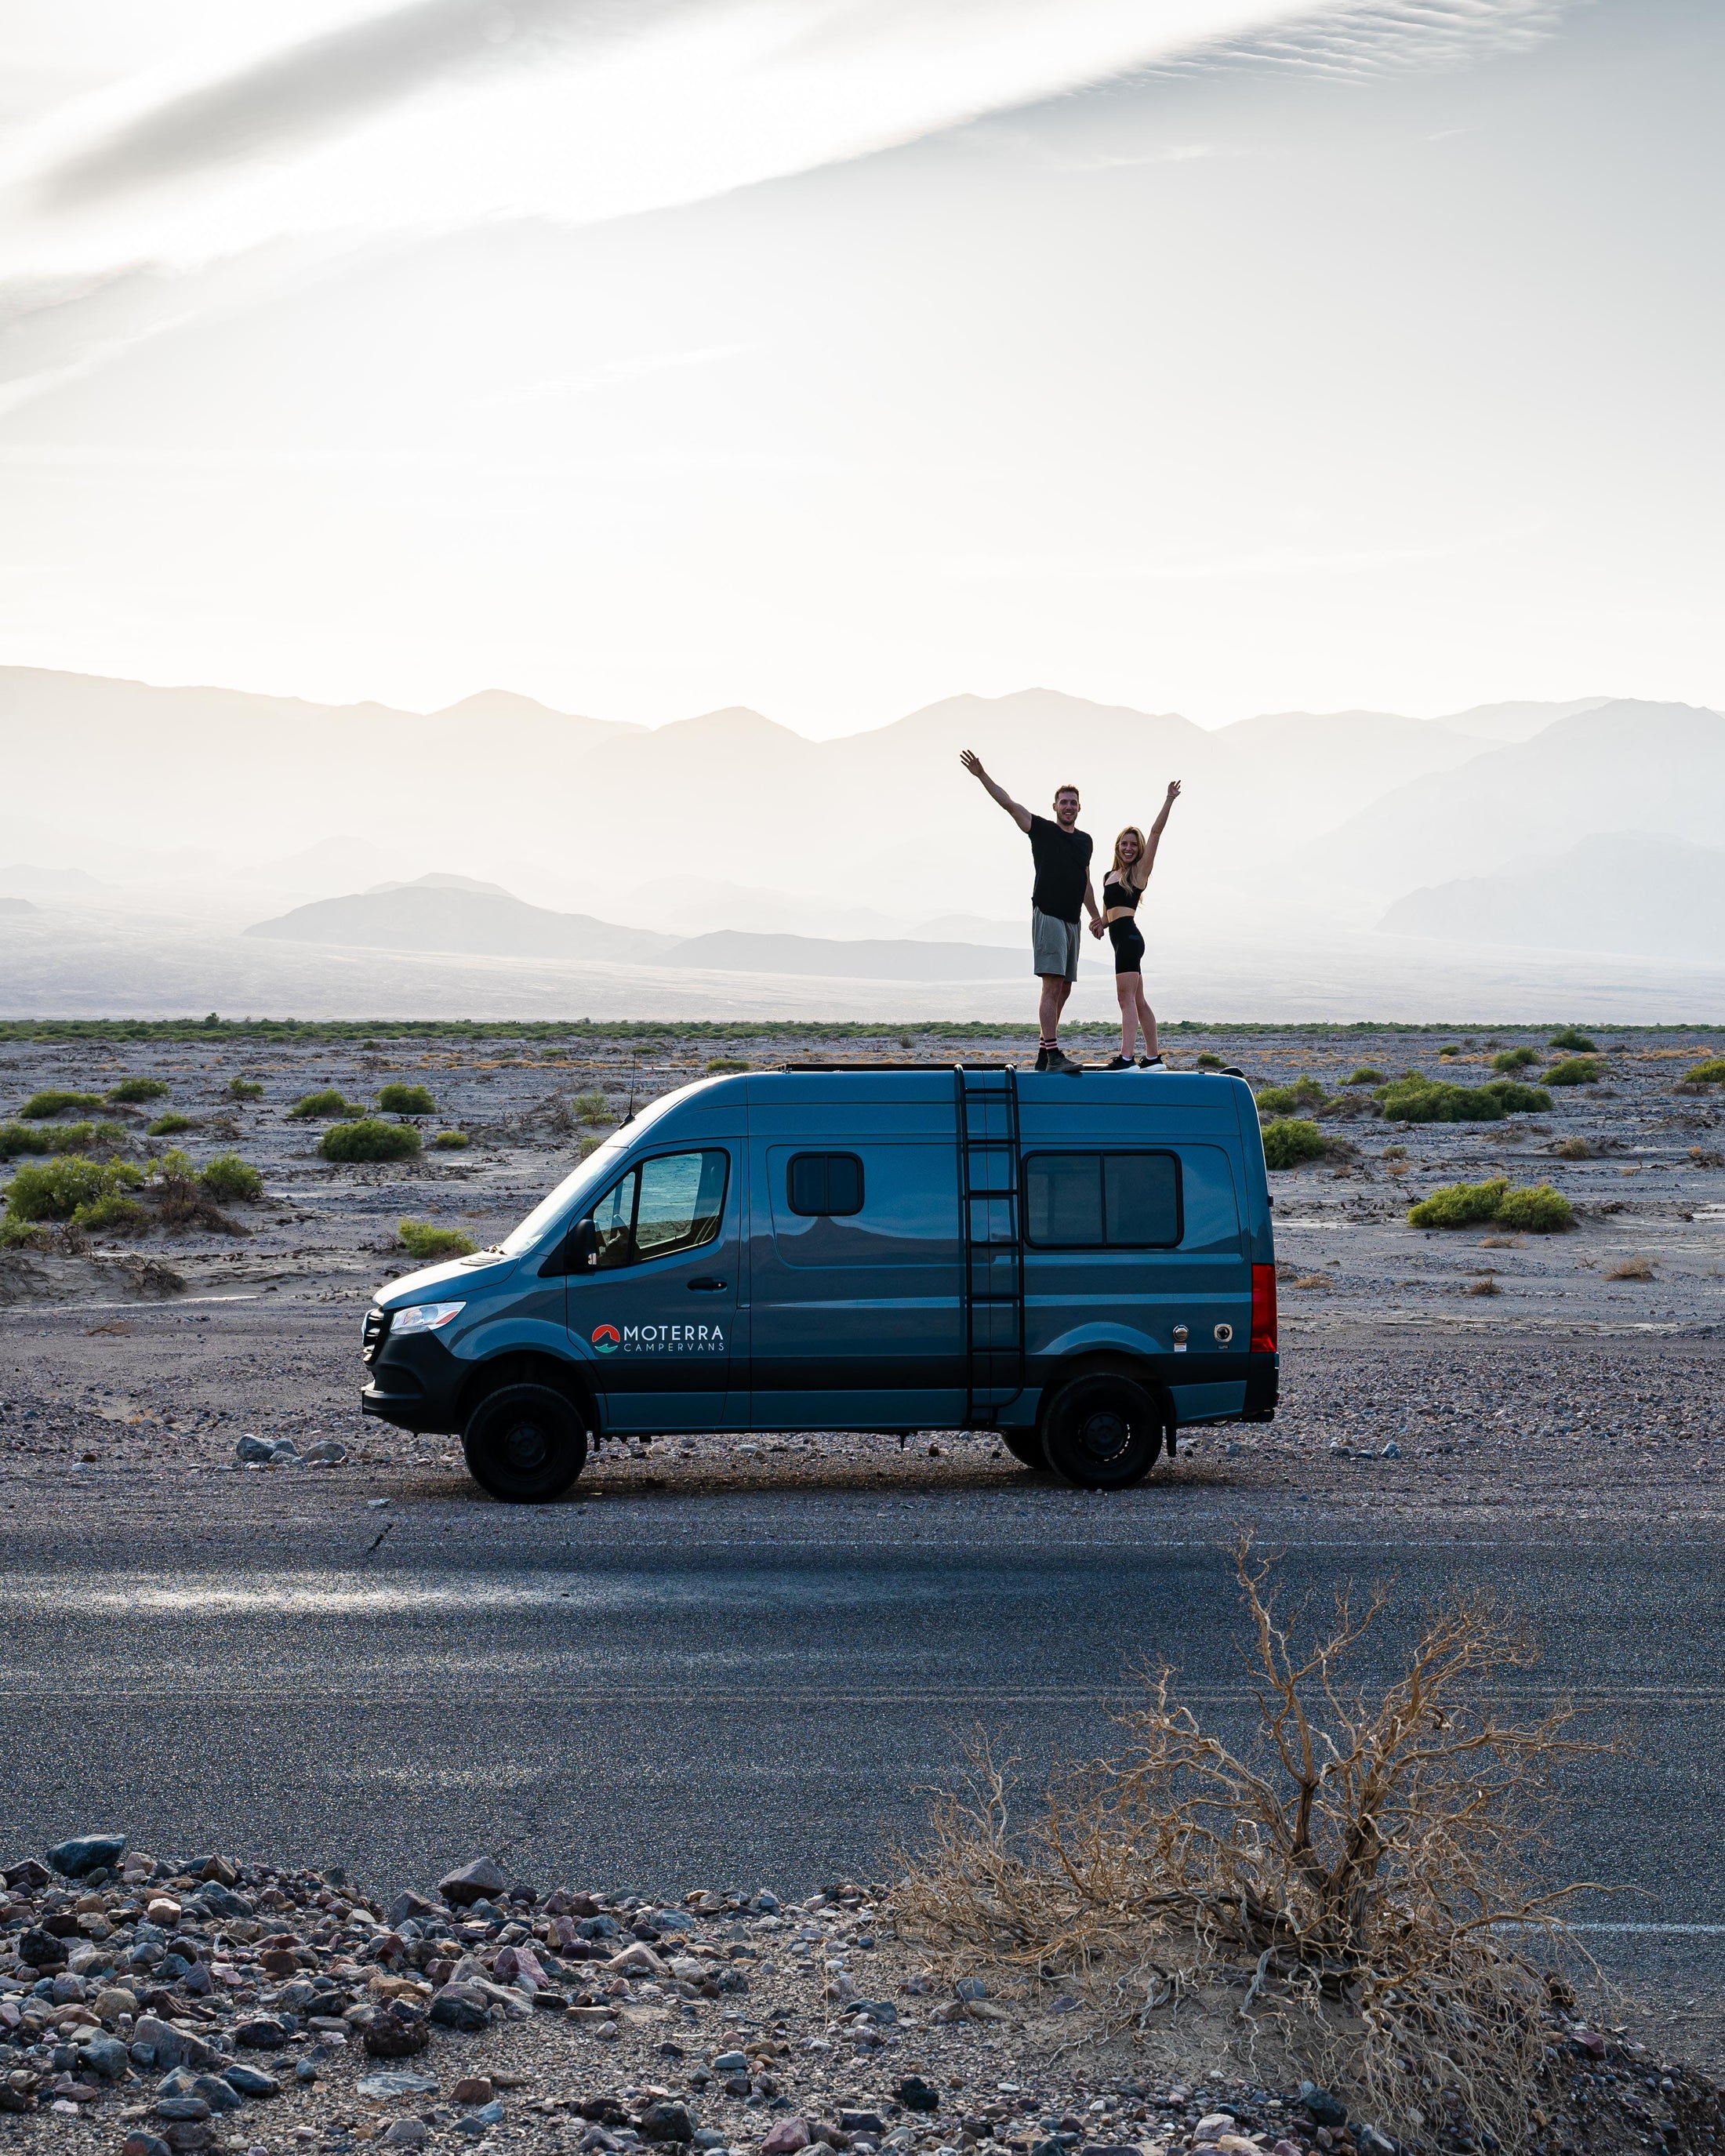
x=824, y=1182
x=1088, y=1201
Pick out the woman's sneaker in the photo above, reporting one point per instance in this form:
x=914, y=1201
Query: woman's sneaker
x=1118, y=1062
x=1151, y=1063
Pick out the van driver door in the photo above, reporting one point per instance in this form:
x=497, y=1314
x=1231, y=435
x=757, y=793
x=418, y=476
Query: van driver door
x=654, y=1304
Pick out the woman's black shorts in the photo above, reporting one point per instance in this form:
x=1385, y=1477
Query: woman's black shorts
x=1128, y=947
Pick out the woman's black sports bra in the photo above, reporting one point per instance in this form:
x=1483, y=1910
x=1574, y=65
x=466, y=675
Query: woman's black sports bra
x=1122, y=894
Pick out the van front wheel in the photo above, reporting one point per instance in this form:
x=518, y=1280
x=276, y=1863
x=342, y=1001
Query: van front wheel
x=524, y=1443
x=1101, y=1433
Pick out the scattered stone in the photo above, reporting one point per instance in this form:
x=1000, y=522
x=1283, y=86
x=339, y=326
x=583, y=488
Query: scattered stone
x=786, y=2138
x=460, y=2006
x=41, y=1949
x=249, y=2081
x=406, y=2133
x=105, y=2056
x=85, y=1853
x=665, y=2120
x=478, y=1881
x=915, y=2094
x=328, y=1452
x=1323, y=2108
x=137, y=2143
x=263, y=2034
x=471, y=2088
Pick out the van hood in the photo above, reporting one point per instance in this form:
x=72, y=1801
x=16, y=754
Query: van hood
x=457, y=1277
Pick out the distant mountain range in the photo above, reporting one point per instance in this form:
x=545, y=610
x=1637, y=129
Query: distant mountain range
x=450, y=913
x=1614, y=891
x=726, y=842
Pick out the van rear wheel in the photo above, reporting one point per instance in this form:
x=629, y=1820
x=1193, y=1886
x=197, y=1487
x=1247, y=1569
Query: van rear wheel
x=1101, y=1433
x=524, y=1443
x=1025, y=1447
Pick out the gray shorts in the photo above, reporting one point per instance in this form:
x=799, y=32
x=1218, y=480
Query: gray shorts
x=1054, y=945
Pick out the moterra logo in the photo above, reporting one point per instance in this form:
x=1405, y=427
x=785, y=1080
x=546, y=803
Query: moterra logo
x=660, y=1340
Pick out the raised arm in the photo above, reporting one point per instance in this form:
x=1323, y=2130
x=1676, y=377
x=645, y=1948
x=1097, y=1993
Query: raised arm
x=973, y=764
x=1142, y=867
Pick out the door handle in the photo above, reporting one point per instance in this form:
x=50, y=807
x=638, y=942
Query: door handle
x=707, y=1284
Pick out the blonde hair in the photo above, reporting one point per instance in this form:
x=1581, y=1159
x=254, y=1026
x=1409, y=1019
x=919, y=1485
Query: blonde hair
x=1119, y=867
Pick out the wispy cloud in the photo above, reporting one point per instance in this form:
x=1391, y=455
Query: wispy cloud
x=442, y=113
x=1366, y=38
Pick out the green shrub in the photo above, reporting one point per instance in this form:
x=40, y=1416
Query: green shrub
x=41, y=1106
x=227, y=1176
x=1577, y=1070
x=1575, y=1042
x=1537, y=1208
x=57, y=1189
x=1305, y=1093
x=450, y=1141
x=245, y=1089
x=138, y=1089
x=1454, y=1048
x=1368, y=1073
x=590, y=1143
x=1514, y=1059
x=1518, y=1099
x=1288, y=1141
x=1710, y=1073
x=419, y=1239
x=369, y=1138
x=169, y=1126
x=115, y=1215
x=1417, y=1099
x=1459, y=1204
x=18, y=1137
x=406, y=1101
x=593, y=1107
x=1207, y=1060
x=314, y=1106
x=717, y=1065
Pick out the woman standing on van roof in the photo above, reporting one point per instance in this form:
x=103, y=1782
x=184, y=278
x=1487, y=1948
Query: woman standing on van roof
x=1123, y=887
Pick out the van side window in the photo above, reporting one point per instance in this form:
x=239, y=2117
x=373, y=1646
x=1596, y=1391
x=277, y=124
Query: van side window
x=1102, y=1200
x=671, y=1203
x=824, y=1182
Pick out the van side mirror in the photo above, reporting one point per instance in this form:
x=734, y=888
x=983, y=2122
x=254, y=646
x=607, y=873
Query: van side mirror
x=582, y=1251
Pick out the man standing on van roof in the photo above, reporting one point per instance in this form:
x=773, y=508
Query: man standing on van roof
x=1061, y=852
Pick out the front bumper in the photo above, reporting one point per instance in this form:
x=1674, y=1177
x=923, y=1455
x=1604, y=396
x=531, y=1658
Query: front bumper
x=415, y=1384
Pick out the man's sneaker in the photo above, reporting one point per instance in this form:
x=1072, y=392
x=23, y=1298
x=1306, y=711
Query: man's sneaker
x=1118, y=1062
x=1042, y=1059
x=1057, y=1059
x=1151, y=1063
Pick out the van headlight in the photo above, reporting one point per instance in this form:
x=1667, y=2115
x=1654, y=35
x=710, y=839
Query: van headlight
x=424, y=1318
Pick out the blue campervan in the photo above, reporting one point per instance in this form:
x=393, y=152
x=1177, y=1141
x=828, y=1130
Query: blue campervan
x=1082, y=1265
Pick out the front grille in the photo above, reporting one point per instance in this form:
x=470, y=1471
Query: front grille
x=373, y=1334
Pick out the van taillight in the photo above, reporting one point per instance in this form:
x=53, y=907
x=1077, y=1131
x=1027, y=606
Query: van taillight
x=1263, y=1310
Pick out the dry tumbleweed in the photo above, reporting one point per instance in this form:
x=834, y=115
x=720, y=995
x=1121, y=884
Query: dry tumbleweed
x=1369, y=1865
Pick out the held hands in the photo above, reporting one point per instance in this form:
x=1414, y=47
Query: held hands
x=1098, y=926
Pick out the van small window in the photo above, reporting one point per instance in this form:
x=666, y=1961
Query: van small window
x=824, y=1182
x=1102, y=1200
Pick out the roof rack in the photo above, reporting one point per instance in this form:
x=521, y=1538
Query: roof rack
x=784, y=1069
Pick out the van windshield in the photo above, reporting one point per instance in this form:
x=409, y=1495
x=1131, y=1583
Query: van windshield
x=564, y=1202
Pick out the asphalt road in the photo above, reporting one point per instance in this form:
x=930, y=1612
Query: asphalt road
x=749, y=1692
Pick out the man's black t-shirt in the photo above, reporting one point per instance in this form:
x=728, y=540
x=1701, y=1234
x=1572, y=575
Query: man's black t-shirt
x=1062, y=869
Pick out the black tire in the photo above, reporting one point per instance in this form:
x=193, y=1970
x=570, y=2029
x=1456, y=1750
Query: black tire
x=1025, y=1447
x=524, y=1443
x=1101, y=1433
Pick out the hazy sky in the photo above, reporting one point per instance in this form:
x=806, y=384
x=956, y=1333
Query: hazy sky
x=833, y=355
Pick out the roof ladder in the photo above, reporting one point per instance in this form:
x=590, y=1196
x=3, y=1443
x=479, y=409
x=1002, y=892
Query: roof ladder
x=993, y=1241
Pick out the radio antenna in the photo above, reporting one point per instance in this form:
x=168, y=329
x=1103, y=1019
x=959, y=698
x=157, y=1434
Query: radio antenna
x=632, y=1062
